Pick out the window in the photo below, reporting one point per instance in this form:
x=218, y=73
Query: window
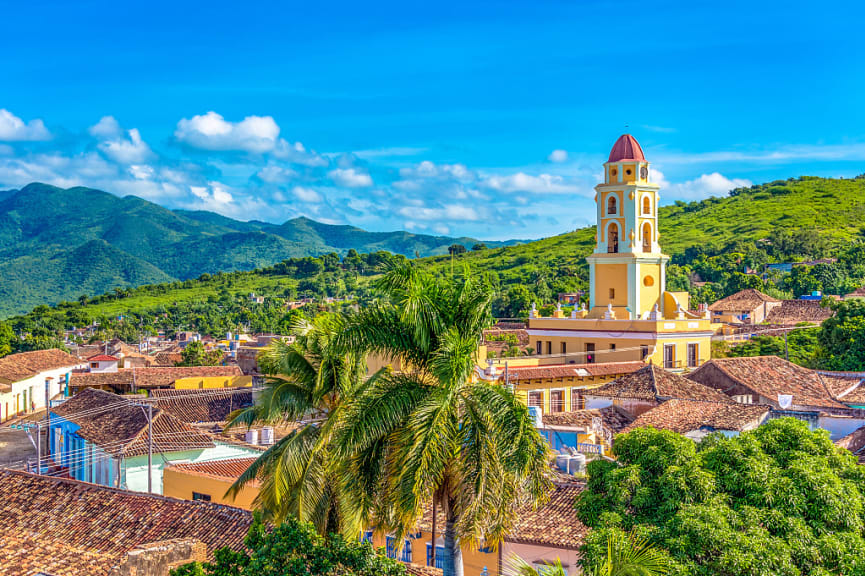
x=549, y=347
x=590, y=353
x=644, y=352
x=577, y=400
x=405, y=553
x=648, y=281
x=669, y=355
x=693, y=355
x=536, y=398
x=613, y=172
x=612, y=293
x=94, y=364
x=440, y=556
x=613, y=238
x=365, y=536
x=200, y=496
x=611, y=205
x=557, y=401
x=540, y=349
x=647, y=237
x=564, y=348
x=647, y=205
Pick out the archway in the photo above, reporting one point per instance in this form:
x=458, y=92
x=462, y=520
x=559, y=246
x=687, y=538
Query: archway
x=613, y=238
x=647, y=237
x=611, y=205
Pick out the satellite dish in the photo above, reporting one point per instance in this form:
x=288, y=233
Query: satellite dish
x=785, y=400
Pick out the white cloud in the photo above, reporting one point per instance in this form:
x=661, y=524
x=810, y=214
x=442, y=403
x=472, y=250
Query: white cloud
x=13, y=129
x=276, y=174
x=558, y=156
x=211, y=131
x=782, y=155
x=106, y=128
x=129, y=150
x=306, y=194
x=451, y=212
x=427, y=169
x=214, y=195
x=350, y=178
x=540, y=184
x=706, y=185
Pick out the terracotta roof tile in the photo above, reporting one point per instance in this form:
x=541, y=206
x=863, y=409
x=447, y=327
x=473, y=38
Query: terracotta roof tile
x=167, y=358
x=554, y=524
x=17, y=367
x=71, y=528
x=796, y=311
x=102, y=358
x=768, y=376
x=613, y=417
x=572, y=370
x=743, y=300
x=654, y=383
x=229, y=470
x=854, y=442
x=205, y=405
x=150, y=376
x=116, y=425
x=686, y=415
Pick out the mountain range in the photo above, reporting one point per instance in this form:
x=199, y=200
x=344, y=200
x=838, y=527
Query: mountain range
x=57, y=244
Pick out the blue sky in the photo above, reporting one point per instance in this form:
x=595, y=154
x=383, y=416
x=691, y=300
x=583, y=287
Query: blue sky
x=489, y=119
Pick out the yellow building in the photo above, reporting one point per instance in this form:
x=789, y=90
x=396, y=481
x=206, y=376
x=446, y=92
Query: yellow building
x=206, y=382
x=208, y=481
x=631, y=315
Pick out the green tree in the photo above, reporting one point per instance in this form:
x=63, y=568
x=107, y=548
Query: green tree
x=781, y=499
x=7, y=337
x=478, y=247
x=294, y=548
x=842, y=337
x=429, y=434
x=299, y=475
x=456, y=249
x=194, y=354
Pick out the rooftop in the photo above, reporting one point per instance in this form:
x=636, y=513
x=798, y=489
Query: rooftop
x=743, y=300
x=855, y=443
x=626, y=148
x=614, y=418
x=686, y=415
x=150, y=376
x=228, y=470
x=67, y=528
x=118, y=426
x=17, y=367
x=204, y=405
x=654, y=383
x=796, y=311
x=769, y=376
x=555, y=524
x=572, y=370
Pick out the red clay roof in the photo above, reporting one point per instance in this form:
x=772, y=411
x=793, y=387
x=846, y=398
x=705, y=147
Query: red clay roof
x=769, y=376
x=744, y=300
x=205, y=405
x=103, y=358
x=654, y=383
x=555, y=524
x=17, y=367
x=796, y=311
x=613, y=417
x=686, y=415
x=149, y=376
x=229, y=470
x=69, y=528
x=854, y=442
x=572, y=370
x=626, y=148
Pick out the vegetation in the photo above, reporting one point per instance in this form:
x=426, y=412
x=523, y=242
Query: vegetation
x=777, y=500
x=195, y=355
x=299, y=476
x=294, y=548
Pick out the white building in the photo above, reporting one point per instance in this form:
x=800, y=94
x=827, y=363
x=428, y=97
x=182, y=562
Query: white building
x=28, y=378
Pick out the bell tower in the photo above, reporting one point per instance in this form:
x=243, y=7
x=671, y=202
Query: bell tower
x=627, y=268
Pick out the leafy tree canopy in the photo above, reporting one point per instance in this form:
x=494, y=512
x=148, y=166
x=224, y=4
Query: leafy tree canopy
x=779, y=500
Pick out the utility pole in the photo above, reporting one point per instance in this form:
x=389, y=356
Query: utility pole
x=39, y=448
x=150, y=448
x=786, y=349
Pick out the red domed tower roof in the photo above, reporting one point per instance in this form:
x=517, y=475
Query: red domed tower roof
x=626, y=148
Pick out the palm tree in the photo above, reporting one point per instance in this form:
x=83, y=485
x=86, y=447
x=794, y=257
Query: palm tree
x=299, y=475
x=627, y=555
x=431, y=434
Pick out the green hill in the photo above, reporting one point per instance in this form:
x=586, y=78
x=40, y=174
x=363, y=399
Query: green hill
x=57, y=244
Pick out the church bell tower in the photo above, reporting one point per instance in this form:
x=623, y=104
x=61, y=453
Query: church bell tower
x=627, y=268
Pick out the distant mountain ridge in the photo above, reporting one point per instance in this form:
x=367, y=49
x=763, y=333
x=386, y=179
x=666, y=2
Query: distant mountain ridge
x=56, y=244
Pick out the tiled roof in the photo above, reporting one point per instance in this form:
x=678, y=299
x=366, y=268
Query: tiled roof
x=417, y=570
x=743, y=300
x=857, y=293
x=796, y=311
x=117, y=426
x=150, y=377
x=626, y=148
x=205, y=405
x=17, y=367
x=167, y=358
x=102, y=358
x=770, y=376
x=613, y=417
x=69, y=528
x=845, y=387
x=572, y=370
x=229, y=470
x=686, y=415
x=555, y=524
x=654, y=383
x=854, y=442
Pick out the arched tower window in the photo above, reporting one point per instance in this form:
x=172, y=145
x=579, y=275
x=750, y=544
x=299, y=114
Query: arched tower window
x=647, y=237
x=611, y=205
x=647, y=205
x=613, y=238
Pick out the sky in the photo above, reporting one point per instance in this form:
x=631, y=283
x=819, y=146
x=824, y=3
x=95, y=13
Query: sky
x=484, y=119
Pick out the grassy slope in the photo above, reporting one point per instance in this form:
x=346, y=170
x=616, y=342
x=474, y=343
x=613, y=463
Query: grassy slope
x=836, y=208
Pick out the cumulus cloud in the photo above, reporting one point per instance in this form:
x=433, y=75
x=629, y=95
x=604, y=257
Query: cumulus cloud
x=14, y=129
x=558, y=156
x=451, y=212
x=106, y=128
x=211, y=131
x=276, y=174
x=427, y=169
x=540, y=184
x=214, y=194
x=306, y=194
x=350, y=178
x=706, y=185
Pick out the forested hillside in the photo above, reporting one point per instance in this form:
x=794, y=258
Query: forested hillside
x=57, y=244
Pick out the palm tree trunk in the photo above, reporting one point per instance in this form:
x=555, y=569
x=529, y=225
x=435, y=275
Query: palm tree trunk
x=453, y=560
